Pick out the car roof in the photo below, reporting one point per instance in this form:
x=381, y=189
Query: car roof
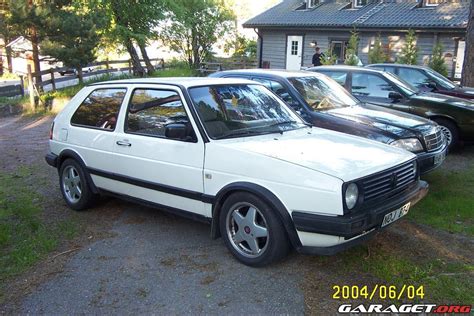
x=186, y=82
x=399, y=65
x=282, y=73
x=346, y=68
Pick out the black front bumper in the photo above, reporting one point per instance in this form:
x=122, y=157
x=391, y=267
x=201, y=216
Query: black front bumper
x=426, y=160
x=361, y=223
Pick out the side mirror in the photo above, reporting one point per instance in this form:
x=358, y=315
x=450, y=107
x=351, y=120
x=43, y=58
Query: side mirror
x=176, y=131
x=431, y=85
x=395, y=96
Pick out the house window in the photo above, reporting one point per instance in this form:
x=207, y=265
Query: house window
x=312, y=3
x=294, y=48
x=432, y=3
x=359, y=3
x=338, y=48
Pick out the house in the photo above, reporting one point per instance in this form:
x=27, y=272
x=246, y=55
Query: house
x=289, y=31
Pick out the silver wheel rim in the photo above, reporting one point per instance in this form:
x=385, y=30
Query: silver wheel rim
x=72, y=186
x=447, y=133
x=247, y=230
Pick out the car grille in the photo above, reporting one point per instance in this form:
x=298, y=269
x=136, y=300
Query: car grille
x=389, y=181
x=435, y=140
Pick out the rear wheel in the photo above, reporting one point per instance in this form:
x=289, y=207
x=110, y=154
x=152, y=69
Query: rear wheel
x=74, y=186
x=252, y=231
x=450, y=131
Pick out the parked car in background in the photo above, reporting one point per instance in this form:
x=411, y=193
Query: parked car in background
x=426, y=80
x=73, y=71
x=230, y=153
x=323, y=103
x=454, y=115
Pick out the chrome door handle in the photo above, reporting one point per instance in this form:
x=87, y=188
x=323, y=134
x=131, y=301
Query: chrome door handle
x=124, y=143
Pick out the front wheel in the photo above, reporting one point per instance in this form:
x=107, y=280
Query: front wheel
x=252, y=231
x=450, y=131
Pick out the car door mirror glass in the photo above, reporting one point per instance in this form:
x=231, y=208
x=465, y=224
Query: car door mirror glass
x=176, y=131
x=395, y=96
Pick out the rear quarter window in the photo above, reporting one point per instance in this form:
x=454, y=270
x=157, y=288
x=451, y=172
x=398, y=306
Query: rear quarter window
x=100, y=109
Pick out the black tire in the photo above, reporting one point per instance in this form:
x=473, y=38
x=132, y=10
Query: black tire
x=275, y=245
x=77, y=202
x=453, y=129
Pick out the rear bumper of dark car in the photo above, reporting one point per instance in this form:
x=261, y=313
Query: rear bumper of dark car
x=429, y=161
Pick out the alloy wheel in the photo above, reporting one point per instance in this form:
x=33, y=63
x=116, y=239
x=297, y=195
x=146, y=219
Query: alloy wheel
x=72, y=186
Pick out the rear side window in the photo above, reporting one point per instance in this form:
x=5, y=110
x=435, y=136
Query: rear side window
x=151, y=110
x=100, y=109
x=339, y=76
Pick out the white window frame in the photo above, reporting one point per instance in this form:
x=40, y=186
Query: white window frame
x=312, y=3
x=356, y=4
x=428, y=4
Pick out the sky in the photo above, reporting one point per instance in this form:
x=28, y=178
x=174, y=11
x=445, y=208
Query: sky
x=246, y=9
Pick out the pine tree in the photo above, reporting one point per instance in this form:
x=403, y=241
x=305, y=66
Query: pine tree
x=437, y=62
x=376, y=53
x=329, y=59
x=351, y=50
x=409, y=53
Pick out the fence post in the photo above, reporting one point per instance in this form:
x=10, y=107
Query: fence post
x=53, y=83
x=129, y=66
x=107, y=65
x=22, y=85
x=31, y=89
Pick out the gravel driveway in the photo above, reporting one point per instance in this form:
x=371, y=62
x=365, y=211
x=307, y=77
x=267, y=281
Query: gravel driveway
x=131, y=259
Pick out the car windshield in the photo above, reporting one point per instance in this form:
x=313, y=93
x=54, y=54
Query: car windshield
x=407, y=88
x=242, y=110
x=323, y=94
x=440, y=79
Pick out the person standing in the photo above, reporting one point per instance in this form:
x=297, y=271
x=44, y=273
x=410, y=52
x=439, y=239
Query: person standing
x=317, y=57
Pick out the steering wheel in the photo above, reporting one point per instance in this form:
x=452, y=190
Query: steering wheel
x=321, y=104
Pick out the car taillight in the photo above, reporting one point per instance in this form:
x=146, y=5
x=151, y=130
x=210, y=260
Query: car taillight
x=51, y=131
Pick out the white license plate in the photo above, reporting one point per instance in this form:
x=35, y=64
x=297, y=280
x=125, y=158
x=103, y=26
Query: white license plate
x=395, y=215
x=439, y=158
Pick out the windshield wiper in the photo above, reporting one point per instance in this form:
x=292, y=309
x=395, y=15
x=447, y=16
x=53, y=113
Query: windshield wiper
x=240, y=133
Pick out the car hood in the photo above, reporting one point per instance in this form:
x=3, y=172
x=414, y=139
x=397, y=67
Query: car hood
x=390, y=123
x=444, y=99
x=340, y=155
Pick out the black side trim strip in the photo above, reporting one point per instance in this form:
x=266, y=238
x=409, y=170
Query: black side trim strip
x=172, y=210
x=193, y=195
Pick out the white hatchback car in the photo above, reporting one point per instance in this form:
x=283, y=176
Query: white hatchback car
x=230, y=153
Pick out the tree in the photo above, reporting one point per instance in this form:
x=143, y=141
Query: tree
x=351, y=50
x=194, y=26
x=437, y=62
x=134, y=22
x=376, y=53
x=409, y=53
x=27, y=17
x=467, y=78
x=329, y=59
x=73, y=33
x=6, y=31
x=241, y=47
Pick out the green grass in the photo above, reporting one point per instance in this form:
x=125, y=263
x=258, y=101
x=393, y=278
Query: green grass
x=24, y=237
x=176, y=72
x=442, y=281
x=450, y=202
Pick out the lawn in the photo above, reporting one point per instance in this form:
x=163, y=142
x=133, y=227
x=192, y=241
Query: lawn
x=25, y=238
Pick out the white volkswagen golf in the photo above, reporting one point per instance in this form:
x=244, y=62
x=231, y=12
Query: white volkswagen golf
x=230, y=153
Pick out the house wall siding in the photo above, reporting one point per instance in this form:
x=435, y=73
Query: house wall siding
x=274, y=44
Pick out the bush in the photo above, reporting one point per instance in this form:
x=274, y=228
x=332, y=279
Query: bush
x=437, y=62
x=409, y=54
x=351, y=50
x=376, y=53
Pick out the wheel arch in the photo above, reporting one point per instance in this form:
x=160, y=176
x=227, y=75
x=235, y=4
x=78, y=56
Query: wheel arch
x=433, y=117
x=261, y=192
x=71, y=154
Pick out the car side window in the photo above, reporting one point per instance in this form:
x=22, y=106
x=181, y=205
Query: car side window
x=339, y=76
x=369, y=85
x=413, y=76
x=151, y=110
x=100, y=109
x=278, y=88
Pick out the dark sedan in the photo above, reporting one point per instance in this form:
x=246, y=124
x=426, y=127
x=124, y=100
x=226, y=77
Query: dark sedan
x=426, y=80
x=324, y=103
x=455, y=115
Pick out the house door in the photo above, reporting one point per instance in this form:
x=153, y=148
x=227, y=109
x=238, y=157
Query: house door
x=294, y=52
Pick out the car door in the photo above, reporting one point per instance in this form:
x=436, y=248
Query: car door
x=373, y=88
x=151, y=165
